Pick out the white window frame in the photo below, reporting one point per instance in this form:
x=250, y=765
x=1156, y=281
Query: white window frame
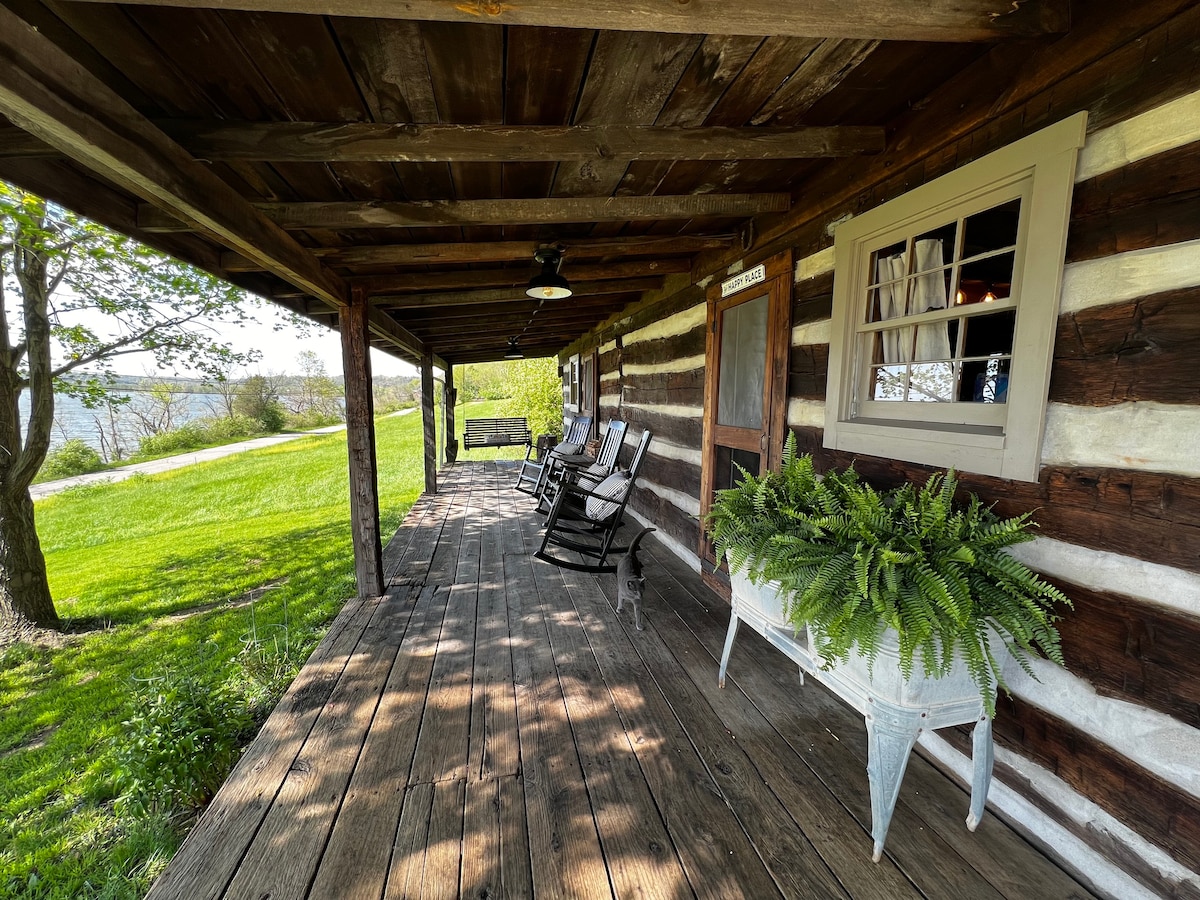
x=1003, y=442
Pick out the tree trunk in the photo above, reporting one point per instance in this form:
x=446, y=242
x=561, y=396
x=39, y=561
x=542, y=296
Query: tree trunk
x=24, y=588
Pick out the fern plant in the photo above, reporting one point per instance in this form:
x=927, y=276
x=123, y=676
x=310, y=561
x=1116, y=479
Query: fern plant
x=854, y=561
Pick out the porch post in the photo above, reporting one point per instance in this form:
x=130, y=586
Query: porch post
x=451, y=397
x=360, y=443
x=428, y=423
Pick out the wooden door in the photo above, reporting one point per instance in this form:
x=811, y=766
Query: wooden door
x=745, y=389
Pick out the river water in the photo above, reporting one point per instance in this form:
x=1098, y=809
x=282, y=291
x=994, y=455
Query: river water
x=73, y=420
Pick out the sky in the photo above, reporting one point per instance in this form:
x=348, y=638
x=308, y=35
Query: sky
x=280, y=349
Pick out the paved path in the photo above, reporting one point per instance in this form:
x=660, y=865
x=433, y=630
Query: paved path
x=167, y=463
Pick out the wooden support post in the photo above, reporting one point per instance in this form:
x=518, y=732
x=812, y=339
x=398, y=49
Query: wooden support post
x=360, y=442
x=451, y=397
x=428, y=423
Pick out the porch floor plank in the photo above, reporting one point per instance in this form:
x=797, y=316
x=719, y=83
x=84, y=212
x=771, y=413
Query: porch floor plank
x=492, y=727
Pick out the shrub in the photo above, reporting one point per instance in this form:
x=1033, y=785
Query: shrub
x=72, y=458
x=313, y=418
x=200, y=433
x=178, y=745
x=258, y=398
x=534, y=391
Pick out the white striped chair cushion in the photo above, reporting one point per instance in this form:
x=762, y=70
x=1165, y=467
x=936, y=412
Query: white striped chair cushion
x=613, y=487
x=592, y=476
x=566, y=448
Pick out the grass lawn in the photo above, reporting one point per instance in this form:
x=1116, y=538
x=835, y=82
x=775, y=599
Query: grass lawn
x=226, y=573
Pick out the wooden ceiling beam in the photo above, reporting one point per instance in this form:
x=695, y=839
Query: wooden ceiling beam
x=490, y=347
x=50, y=95
x=465, y=279
x=415, y=319
x=497, y=328
x=896, y=20
x=541, y=211
x=467, y=298
x=499, y=251
x=348, y=142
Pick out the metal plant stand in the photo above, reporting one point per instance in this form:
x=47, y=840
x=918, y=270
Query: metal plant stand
x=895, y=713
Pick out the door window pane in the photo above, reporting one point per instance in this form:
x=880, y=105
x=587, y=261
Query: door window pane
x=743, y=364
x=730, y=463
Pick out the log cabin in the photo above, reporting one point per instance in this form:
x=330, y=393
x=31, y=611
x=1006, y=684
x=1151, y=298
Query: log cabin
x=743, y=195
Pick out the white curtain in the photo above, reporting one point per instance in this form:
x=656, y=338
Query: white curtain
x=928, y=292
x=897, y=342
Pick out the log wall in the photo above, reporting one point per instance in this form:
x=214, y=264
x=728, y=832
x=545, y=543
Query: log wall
x=1118, y=497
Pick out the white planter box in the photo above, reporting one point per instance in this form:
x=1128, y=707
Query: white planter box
x=764, y=600
x=884, y=680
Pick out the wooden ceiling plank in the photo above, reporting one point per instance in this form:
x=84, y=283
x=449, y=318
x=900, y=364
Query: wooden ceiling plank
x=50, y=95
x=629, y=79
x=387, y=59
x=899, y=20
x=498, y=251
x=823, y=70
x=111, y=32
x=540, y=211
x=422, y=282
x=469, y=88
x=466, y=298
x=716, y=65
x=219, y=140
x=534, y=95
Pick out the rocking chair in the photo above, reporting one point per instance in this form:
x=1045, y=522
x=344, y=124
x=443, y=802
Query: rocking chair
x=531, y=479
x=586, y=520
x=582, y=469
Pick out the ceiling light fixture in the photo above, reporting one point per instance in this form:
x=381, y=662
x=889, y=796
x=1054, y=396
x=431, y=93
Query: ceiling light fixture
x=514, y=352
x=548, y=284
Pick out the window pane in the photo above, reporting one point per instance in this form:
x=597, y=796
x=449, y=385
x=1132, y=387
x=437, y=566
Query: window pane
x=985, y=381
x=940, y=240
x=887, y=382
x=887, y=263
x=743, y=364
x=985, y=280
x=889, y=301
x=991, y=229
x=727, y=474
x=932, y=382
x=894, y=345
x=990, y=335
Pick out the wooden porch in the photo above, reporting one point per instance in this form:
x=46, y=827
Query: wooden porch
x=492, y=727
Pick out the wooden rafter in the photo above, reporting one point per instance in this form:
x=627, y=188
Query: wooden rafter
x=47, y=93
x=497, y=251
x=419, y=282
x=542, y=211
x=418, y=319
x=899, y=20
x=372, y=142
x=469, y=298
x=221, y=141
x=496, y=322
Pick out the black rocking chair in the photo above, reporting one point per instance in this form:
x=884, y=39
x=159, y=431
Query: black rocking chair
x=585, y=520
x=531, y=479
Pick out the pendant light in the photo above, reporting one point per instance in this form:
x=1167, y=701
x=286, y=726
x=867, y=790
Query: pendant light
x=548, y=284
x=514, y=352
